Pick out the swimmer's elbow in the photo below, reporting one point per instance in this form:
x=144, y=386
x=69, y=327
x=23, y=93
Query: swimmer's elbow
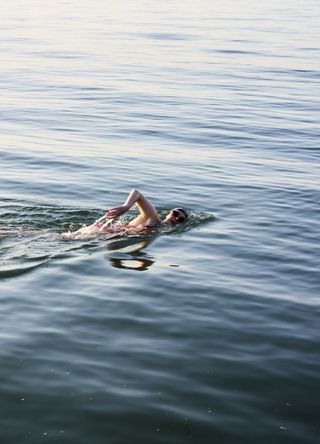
x=136, y=193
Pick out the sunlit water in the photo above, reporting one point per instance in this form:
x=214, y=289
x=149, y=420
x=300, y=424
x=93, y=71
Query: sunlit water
x=208, y=333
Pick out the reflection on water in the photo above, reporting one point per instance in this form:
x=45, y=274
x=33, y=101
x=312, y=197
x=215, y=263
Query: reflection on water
x=128, y=254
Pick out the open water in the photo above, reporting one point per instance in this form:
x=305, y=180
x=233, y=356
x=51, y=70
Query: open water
x=208, y=333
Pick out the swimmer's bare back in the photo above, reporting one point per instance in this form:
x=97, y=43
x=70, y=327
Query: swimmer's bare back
x=126, y=229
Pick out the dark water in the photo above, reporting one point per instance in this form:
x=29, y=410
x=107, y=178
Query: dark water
x=207, y=334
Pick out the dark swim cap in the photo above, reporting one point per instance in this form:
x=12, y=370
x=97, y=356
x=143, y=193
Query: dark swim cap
x=184, y=211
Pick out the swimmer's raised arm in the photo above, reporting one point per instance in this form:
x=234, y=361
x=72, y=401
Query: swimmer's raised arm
x=148, y=213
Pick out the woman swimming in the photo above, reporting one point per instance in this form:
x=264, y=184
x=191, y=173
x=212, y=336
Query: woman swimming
x=148, y=217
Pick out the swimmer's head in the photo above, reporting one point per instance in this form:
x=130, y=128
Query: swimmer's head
x=177, y=215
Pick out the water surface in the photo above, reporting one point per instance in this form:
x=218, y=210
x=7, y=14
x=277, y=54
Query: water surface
x=208, y=333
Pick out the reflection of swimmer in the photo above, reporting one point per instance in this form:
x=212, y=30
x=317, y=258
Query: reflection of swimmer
x=148, y=217
x=128, y=253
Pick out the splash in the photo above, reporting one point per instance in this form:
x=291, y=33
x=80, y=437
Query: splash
x=100, y=226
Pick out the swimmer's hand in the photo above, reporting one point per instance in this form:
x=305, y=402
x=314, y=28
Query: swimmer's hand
x=115, y=212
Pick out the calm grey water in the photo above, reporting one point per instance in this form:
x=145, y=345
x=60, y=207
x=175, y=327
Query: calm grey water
x=206, y=334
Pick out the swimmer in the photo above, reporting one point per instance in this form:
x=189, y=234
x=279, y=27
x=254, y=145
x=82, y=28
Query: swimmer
x=148, y=217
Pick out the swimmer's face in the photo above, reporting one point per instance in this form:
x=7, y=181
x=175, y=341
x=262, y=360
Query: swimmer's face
x=176, y=216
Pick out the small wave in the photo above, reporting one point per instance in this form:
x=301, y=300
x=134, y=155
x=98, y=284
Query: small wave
x=14, y=270
x=19, y=218
x=25, y=215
